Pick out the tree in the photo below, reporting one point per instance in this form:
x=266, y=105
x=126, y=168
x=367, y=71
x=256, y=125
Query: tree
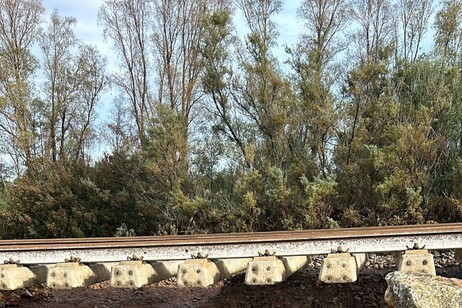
x=259, y=90
x=19, y=29
x=217, y=78
x=72, y=89
x=448, y=36
x=178, y=33
x=414, y=17
x=376, y=25
x=126, y=23
x=315, y=72
x=91, y=81
x=56, y=45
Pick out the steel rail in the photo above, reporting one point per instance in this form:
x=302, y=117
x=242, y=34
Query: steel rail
x=233, y=245
x=391, y=230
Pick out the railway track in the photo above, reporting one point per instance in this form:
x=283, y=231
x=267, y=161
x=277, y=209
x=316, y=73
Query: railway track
x=225, y=254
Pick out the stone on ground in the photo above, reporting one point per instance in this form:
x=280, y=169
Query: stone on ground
x=423, y=291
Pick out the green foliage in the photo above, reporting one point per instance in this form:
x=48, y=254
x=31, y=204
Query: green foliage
x=60, y=201
x=321, y=195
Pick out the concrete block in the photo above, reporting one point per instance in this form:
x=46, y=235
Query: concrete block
x=102, y=270
x=231, y=267
x=165, y=269
x=70, y=275
x=416, y=262
x=197, y=273
x=339, y=268
x=458, y=254
x=40, y=272
x=14, y=276
x=265, y=271
x=293, y=264
x=132, y=274
x=360, y=259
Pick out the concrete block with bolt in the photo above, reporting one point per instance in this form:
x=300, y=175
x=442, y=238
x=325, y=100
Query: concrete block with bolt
x=132, y=274
x=418, y=261
x=339, y=268
x=15, y=276
x=197, y=273
x=70, y=275
x=265, y=271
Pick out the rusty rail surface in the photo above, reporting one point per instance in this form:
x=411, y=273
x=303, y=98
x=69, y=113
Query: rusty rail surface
x=233, y=245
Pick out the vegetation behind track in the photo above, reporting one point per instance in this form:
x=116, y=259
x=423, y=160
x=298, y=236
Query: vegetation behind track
x=210, y=131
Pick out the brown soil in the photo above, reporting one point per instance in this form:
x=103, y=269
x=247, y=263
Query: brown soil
x=300, y=290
